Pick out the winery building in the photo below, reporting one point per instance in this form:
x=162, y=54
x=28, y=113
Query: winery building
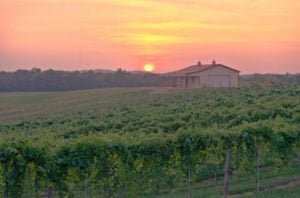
x=206, y=75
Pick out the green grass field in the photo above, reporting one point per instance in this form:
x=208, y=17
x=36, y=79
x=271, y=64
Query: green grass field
x=18, y=107
x=52, y=122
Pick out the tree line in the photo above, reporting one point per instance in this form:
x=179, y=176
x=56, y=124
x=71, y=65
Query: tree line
x=52, y=80
x=270, y=79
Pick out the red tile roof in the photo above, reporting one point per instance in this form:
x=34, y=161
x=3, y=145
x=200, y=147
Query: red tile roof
x=197, y=68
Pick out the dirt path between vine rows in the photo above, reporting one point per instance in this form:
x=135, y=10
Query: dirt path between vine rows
x=286, y=185
x=276, y=186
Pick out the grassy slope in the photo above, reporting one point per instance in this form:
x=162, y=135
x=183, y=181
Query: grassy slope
x=17, y=107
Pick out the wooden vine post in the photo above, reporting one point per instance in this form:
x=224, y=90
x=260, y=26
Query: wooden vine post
x=227, y=167
x=5, y=194
x=86, y=186
x=257, y=163
x=189, y=183
x=49, y=192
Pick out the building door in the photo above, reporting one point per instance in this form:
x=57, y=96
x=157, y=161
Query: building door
x=195, y=81
x=219, y=81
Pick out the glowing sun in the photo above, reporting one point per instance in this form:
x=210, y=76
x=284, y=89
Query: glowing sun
x=148, y=67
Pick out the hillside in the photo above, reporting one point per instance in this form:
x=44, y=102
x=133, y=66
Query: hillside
x=149, y=142
x=18, y=107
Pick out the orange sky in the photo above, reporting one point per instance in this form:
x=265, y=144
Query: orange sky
x=250, y=35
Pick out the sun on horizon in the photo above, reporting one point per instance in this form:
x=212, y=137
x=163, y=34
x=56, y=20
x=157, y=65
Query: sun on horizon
x=170, y=34
x=149, y=67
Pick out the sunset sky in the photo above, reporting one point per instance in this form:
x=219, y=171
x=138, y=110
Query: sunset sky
x=250, y=35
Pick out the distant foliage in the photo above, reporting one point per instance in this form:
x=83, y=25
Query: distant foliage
x=270, y=79
x=51, y=80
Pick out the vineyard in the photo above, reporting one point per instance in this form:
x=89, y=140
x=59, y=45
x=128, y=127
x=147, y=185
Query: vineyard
x=146, y=142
